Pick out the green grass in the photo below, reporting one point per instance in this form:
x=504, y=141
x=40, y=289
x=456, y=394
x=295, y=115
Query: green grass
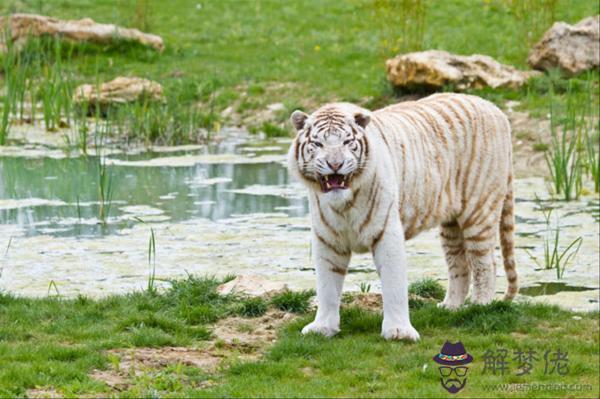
x=293, y=301
x=252, y=307
x=358, y=363
x=427, y=288
x=54, y=343
x=320, y=50
x=57, y=342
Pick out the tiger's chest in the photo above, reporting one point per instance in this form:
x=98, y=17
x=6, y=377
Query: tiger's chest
x=351, y=228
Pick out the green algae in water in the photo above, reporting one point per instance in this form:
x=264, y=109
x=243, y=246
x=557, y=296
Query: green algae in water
x=551, y=288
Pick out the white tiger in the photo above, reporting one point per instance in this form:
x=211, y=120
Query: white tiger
x=378, y=178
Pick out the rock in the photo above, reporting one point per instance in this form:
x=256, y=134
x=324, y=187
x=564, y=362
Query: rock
x=251, y=285
x=118, y=91
x=572, y=48
x=22, y=26
x=434, y=69
x=276, y=107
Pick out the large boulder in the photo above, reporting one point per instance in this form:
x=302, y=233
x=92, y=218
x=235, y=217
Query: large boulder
x=22, y=26
x=572, y=48
x=121, y=90
x=434, y=69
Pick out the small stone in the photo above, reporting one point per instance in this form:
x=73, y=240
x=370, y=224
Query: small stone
x=121, y=90
x=576, y=317
x=276, y=107
x=251, y=285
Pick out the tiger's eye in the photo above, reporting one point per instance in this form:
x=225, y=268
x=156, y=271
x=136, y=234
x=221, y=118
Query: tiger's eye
x=347, y=142
x=318, y=144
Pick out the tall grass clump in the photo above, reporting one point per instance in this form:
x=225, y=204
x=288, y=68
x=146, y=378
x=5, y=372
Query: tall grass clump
x=592, y=143
x=4, y=119
x=293, y=301
x=56, y=87
x=571, y=127
x=104, y=173
x=592, y=133
x=151, y=262
x=35, y=74
x=555, y=257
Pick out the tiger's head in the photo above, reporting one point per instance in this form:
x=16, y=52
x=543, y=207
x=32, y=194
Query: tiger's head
x=330, y=149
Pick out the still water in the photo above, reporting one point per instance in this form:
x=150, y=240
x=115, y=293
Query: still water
x=223, y=208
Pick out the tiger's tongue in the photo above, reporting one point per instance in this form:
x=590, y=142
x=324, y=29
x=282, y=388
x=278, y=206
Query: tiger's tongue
x=335, y=181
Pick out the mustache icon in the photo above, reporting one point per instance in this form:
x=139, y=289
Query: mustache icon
x=453, y=385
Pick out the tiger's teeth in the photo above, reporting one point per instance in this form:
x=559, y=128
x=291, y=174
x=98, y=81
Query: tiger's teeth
x=328, y=185
x=326, y=178
x=343, y=183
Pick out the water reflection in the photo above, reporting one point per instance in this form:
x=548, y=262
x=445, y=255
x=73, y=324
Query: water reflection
x=212, y=191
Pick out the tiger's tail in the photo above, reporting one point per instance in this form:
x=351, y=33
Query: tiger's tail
x=507, y=242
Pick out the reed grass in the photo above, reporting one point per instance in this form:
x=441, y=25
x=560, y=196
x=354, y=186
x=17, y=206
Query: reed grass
x=151, y=262
x=572, y=150
x=555, y=257
x=592, y=143
x=38, y=76
x=4, y=119
x=104, y=176
x=364, y=287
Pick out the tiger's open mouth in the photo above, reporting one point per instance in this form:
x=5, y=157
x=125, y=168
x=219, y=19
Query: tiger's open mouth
x=333, y=182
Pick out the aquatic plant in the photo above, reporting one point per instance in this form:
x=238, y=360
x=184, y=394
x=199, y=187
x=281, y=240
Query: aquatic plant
x=563, y=157
x=5, y=257
x=105, y=183
x=364, y=287
x=591, y=132
x=592, y=143
x=4, y=119
x=39, y=71
x=56, y=88
x=105, y=189
x=52, y=285
x=151, y=262
x=555, y=257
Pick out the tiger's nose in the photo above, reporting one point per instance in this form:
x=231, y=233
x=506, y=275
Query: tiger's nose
x=335, y=165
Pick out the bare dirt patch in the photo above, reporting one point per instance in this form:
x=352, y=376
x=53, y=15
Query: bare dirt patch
x=235, y=337
x=46, y=393
x=250, y=335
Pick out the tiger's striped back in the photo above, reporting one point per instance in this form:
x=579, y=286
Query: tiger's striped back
x=452, y=155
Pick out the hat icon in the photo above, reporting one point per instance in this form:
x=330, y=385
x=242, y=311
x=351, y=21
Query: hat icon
x=453, y=355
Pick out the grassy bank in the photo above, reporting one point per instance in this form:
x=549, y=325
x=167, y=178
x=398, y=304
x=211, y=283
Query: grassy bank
x=246, y=55
x=53, y=346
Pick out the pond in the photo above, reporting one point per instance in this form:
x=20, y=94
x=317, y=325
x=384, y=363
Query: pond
x=223, y=208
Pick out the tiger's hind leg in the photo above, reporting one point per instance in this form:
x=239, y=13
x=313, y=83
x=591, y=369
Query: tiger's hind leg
x=459, y=275
x=480, y=241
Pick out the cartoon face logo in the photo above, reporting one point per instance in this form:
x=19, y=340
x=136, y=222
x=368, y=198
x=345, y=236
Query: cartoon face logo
x=452, y=360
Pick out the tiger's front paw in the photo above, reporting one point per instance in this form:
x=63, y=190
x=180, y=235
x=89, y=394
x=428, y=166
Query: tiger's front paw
x=400, y=332
x=321, y=329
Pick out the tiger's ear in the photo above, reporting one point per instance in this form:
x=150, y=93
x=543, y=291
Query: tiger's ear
x=362, y=120
x=298, y=119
